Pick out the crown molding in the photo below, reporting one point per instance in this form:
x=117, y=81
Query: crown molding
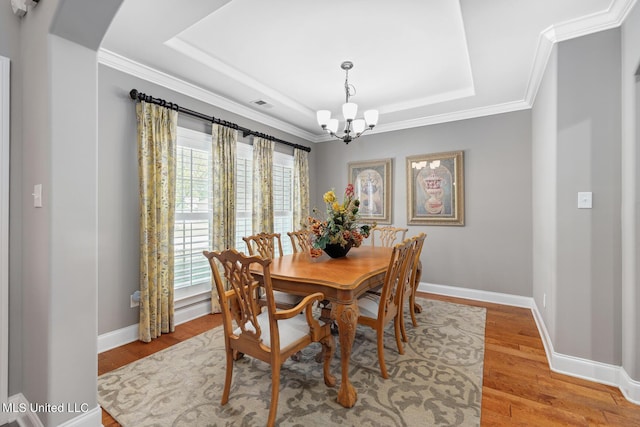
x=125, y=65
x=611, y=18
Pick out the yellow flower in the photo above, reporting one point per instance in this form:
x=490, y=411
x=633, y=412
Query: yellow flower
x=329, y=196
x=337, y=207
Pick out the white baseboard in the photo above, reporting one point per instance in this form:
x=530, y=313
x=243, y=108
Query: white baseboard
x=91, y=418
x=590, y=370
x=476, y=295
x=128, y=334
x=25, y=418
x=21, y=413
x=629, y=387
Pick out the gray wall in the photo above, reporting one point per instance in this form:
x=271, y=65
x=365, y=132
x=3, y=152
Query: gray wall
x=589, y=270
x=576, y=147
x=59, y=253
x=52, y=306
x=10, y=48
x=631, y=194
x=492, y=252
x=544, y=118
x=118, y=246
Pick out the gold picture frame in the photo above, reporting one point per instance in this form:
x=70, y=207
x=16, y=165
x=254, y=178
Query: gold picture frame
x=435, y=186
x=372, y=186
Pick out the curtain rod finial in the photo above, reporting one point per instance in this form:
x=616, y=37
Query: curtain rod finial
x=133, y=94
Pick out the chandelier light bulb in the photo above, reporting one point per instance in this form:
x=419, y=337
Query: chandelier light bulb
x=358, y=126
x=323, y=117
x=371, y=117
x=332, y=126
x=349, y=110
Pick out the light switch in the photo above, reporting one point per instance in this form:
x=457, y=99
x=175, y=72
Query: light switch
x=584, y=200
x=37, y=196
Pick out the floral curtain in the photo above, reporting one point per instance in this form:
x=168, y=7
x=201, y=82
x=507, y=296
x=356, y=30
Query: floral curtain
x=300, y=188
x=223, y=175
x=157, y=140
x=262, y=186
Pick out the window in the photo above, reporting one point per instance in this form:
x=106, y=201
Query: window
x=244, y=197
x=192, y=232
x=282, y=196
x=194, y=201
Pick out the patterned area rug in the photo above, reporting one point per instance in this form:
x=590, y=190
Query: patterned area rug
x=437, y=382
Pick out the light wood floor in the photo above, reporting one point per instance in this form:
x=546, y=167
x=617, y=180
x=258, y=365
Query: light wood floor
x=518, y=386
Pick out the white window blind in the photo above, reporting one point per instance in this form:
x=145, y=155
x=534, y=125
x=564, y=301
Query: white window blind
x=194, y=200
x=192, y=232
x=283, y=198
x=244, y=198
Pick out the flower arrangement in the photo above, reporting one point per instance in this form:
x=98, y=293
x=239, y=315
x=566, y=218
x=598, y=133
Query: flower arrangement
x=341, y=226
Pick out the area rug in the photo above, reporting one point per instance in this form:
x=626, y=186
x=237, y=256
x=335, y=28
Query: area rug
x=437, y=382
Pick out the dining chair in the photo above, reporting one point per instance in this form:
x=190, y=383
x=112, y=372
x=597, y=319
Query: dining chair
x=269, y=245
x=265, y=333
x=388, y=235
x=299, y=240
x=377, y=310
x=264, y=244
x=412, y=280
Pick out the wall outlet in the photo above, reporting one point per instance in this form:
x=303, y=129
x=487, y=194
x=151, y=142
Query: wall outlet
x=135, y=299
x=544, y=300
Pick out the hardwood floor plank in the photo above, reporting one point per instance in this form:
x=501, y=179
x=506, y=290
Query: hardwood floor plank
x=519, y=388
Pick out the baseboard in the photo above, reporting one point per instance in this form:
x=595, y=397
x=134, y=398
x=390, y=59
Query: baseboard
x=21, y=413
x=476, y=295
x=629, y=387
x=128, y=334
x=561, y=363
x=91, y=418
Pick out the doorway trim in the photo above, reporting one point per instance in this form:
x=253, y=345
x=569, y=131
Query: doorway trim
x=4, y=235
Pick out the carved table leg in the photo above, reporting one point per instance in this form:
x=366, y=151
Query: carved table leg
x=346, y=315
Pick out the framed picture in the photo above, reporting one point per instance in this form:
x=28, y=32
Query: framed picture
x=435, y=183
x=372, y=185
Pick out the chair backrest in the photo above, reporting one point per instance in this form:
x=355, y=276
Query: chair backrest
x=417, y=242
x=388, y=235
x=394, y=279
x=300, y=240
x=239, y=300
x=264, y=244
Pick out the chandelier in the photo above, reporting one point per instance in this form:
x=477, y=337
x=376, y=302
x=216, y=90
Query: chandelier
x=353, y=127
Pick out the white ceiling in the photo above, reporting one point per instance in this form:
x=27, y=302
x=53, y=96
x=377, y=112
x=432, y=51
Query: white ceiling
x=418, y=62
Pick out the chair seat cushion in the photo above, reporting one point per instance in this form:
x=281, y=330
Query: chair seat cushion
x=291, y=330
x=369, y=303
x=286, y=298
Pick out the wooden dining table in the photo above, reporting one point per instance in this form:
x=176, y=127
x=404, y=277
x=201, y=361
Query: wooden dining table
x=342, y=281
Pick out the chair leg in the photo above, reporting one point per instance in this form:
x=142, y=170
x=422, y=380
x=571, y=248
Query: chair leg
x=414, y=308
x=227, y=378
x=398, y=325
x=403, y=329
x=275, y=391
x=328, y=348
x=383, y=368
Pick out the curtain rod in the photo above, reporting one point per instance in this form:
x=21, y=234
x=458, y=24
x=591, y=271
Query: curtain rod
x=135, y=95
